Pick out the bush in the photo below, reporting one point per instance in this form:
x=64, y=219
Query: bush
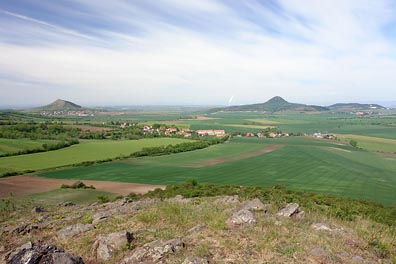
x=77, y=185
x=103, y=198
x=353, y=143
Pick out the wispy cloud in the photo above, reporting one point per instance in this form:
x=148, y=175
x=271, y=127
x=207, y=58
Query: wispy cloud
x=202, y=52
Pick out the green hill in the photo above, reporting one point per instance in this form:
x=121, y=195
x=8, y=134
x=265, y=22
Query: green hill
x=355, y=107
x=60, y=104
x=276, y=104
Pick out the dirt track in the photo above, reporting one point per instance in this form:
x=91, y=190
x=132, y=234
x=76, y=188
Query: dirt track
x=22, y=185
x=210, y=162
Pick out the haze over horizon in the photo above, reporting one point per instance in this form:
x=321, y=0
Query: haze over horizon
x=207, y=52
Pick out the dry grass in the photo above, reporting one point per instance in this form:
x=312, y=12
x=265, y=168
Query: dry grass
x=271, y=240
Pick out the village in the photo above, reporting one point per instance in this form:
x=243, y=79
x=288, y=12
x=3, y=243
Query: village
x=164, y=130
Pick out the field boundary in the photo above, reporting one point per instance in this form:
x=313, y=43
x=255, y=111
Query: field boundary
x=245, y=155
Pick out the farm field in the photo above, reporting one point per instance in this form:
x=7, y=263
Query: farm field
x=300, y=163
x=372, y=143
x=14, y=145
x=89, y=150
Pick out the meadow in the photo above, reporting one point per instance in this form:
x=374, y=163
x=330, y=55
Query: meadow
x=88, y=150
x=300, y=163
x=14, y=145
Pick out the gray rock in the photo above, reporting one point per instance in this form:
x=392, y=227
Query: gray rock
x=255, y=205
x=318, y=252
x=289, y=210
x=241, y=217
x=154, y=251
x=321, y=227
x=106, y=244
x=74, y=230
x=44, y=254
x=227, y=200
x=196, y=228
x=195, y=260
x=100, y=216
x=25, y=229
x=65, y=204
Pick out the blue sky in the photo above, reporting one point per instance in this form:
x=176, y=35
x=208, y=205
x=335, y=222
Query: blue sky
x=197, y=51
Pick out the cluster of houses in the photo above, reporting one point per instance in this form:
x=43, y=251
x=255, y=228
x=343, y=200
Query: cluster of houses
x=267, y=135
x=324, y=135
x=66, y=113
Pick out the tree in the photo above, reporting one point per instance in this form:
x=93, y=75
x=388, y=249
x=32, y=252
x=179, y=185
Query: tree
x=353, y=143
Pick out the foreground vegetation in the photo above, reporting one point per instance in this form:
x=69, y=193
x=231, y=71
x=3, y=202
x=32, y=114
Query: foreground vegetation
x=358, y=230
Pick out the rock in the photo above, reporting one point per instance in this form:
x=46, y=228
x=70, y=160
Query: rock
x=44, y=254
x=154, y=251
x=25, y=229
x=106, y=244
x=317, y=252
x=100, y=216
x=195, y=260
x=289, y=210
x=227, y=200
x=73, y=230
x=321, y=227
x=241, y=217
x=2, y=248
x=37, y=209
x=255, y=205
x=27, y=245
x=300, y=214
x=65, y=204
x=196, y=228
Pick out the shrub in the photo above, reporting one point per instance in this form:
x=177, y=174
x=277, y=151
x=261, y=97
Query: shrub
x=77, y=185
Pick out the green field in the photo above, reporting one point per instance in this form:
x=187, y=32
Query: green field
x=371, y=143
x=85, y=151
x=14, y=145
x=302, y=163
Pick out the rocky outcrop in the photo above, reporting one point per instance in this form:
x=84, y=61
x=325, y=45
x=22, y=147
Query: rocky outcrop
x=254, y=205
x=241, y=217
x=291, y=209
x=43, y=254
x=154, y=251
x=227, y=200
x=73, y=230
x=105, y=245
x=321, y=227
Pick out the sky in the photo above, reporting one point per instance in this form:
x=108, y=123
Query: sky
x=197, y=52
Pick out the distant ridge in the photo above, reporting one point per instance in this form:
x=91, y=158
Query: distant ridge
x=60, y=104
x=355, y=107
x=275, y=104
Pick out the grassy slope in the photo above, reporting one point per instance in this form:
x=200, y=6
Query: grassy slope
x=85, y=151
x=302, y=163
x=15, y=145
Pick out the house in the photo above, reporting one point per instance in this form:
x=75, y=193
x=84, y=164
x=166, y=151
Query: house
x=271, y=135
x=285, y=134
x=147, y=129
x=318, y=135
x=217, y=133
x=248, y=134
x=260, y=135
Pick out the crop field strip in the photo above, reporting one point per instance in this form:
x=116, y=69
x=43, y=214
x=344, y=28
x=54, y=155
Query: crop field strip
x=303, y=163
x=89, y=150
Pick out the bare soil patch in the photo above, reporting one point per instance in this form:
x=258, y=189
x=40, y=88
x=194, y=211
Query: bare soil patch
x=22, y=185
x=200, y=118
x=245, y=155
x=339, y=149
